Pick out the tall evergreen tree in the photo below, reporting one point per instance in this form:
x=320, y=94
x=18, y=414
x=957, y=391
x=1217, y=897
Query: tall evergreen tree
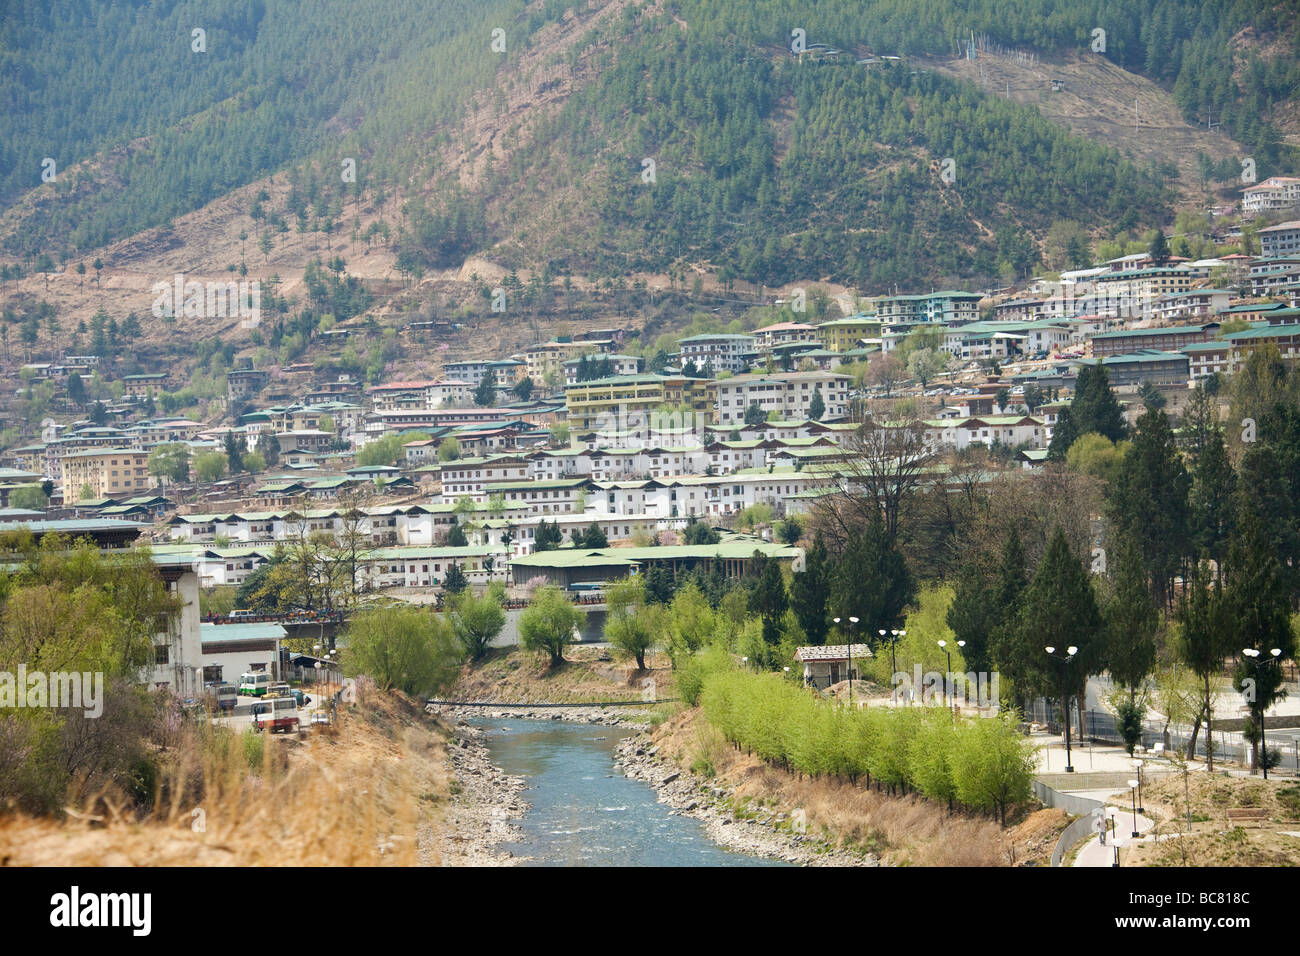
x=1149, y=502
x=872, y=581
x=768, y=597
x=1259, y=617
x=1059, y=610
x=1213, y=497
x=1131, y=619
x=1064, y=434
x=810, y=592
x=1205, y=637
x=1094, y=407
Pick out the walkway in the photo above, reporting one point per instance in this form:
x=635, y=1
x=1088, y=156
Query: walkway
x=1093, y=853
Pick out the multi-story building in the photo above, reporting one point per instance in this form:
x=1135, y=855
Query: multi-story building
x=1171, y=338
x=1208, y=358
x=1280, y=240
x=1276, y=192
x=413, y=396
x=946, y=308
x=504, y=373
x=717, y=352
x=547, y=359
x=618, y=365
x=106, y=472
x=1193, y=304
x=844, y=335
x=605, y=402
x=1134, y=292
x=788, y=394
x=784, y=333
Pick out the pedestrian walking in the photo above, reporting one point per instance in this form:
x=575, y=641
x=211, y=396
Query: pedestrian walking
x=1102, y=827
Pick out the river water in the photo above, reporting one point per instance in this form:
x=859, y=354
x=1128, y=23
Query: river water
x=583, y=812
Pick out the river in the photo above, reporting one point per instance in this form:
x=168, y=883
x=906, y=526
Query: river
x=583, y=812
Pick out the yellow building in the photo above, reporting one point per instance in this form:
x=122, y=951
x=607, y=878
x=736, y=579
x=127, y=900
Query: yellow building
x=607, y=402
x=843, y=335
x=109, y=473
x=549, y=357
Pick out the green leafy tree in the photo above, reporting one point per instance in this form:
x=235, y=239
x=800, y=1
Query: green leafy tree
x=454, y=581
x=548, y=624
x=478, y=620
x=548, y=537
x=1205, y=638
x=698, y=533
x=816, y=405
x=28, y=498
x=210, y=465
x=632, y=626
x=1058, y=610
x=456, y=536
x=768, y=599
x=404, y=648
x=1131, y=619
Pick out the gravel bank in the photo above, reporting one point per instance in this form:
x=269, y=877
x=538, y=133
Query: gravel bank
x=480, y=817
x=692, y=796
x=630, y=718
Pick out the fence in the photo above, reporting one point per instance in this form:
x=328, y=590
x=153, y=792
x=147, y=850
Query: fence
x=1070, y=803
x=1101, y=727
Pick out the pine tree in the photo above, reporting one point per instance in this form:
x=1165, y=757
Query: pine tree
x=1149, y=502
x=872, y=581
x=1095, y=408
x=1131, y=619
x=1064, y=435
x=768, y=598
x=816, y=405
x=1212, y=498
x=810, y=591
x=1058, y=610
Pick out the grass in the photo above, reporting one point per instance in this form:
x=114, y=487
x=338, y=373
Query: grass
x=588, y=675
x=366, y=796
x=904, y=831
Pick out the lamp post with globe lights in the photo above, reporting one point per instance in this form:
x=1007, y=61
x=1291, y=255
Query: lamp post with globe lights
x=1065, y=701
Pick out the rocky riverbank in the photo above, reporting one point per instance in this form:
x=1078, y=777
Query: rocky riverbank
x=630, y=719
x=734, y=826
x=486, y=802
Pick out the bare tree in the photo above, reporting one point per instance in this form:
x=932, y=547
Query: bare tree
x=881, y=469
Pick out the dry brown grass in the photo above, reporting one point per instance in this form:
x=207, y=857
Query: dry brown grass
x=1234, y=847
x=588, y=674
x=907, y=830
x=358, y=797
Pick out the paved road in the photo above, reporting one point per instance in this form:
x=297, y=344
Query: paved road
x=1121, y=833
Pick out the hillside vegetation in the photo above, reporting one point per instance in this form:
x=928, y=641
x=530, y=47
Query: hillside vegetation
x=766, y=169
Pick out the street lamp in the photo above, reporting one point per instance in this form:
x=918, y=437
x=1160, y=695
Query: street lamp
x=1132, y=789
x=849, y=646
x=1252, y=655
x=1065, y=700
x=948, y=678
x=1137, y=765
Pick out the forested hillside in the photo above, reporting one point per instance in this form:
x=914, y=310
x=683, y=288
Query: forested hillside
x=766, y=168
x=276, y=82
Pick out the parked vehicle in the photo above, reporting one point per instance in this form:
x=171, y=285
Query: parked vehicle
x=254, y=684
x=221, y=695
x=243, y=615
x=276, y=714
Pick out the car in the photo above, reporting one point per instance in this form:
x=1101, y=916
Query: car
x=242, y=614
